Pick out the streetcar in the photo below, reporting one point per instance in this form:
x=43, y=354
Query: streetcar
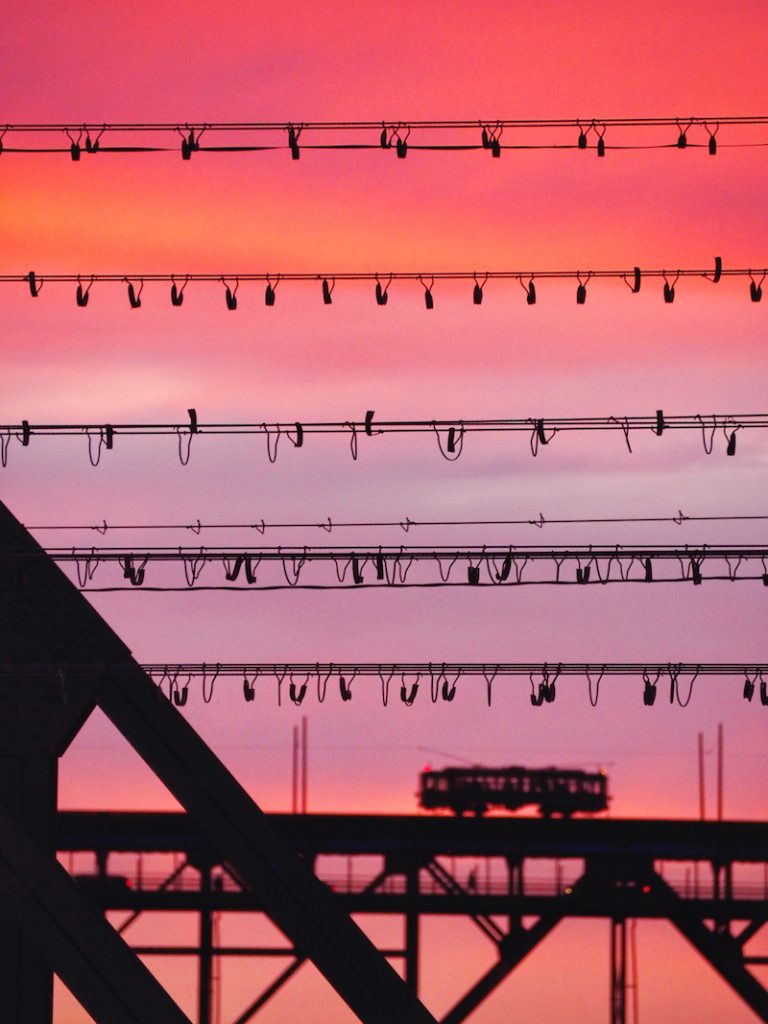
x=476, y=790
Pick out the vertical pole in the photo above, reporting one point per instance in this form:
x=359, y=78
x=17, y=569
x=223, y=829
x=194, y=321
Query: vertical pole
x=28, y=787
x=702, y=803
x=205, y=979
x=719, y=771
x=295, y=772
x=618, y=971
x=412, y=928
x=702, y=807
x=635, y=980
x=304, y=730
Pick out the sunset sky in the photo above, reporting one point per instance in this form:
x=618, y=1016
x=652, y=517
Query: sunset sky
x=344, y=211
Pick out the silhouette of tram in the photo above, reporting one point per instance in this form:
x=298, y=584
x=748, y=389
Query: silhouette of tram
x=555, y=791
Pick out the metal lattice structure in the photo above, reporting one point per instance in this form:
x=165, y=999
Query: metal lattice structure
x=48, y=925
x=422, y=872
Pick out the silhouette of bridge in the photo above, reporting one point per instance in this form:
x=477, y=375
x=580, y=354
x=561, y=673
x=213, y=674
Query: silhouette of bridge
x=551, y=869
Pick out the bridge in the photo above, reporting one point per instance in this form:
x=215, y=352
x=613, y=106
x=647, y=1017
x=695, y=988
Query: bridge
x=499, y=872
x=61, y=660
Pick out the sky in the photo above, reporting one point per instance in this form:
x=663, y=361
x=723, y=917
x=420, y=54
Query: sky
x=345, y=211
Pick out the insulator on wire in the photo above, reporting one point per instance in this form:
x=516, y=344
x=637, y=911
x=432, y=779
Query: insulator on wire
x=230, y=294
x=82, y=294
x=177, y=293
x=293, y=142
x=382, y=292
x=134, y=296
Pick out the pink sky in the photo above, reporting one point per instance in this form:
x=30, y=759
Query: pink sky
x=619, y=354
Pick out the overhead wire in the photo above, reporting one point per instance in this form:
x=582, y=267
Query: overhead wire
x=632, y=277
x=450, y=434
x=297, y=680
x=487, y=134
x=404, y=524
x=277, y=568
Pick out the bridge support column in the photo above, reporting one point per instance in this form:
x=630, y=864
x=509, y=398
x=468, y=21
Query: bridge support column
x=618, y=970
x=205, y=979
x=28, y=789
x=412, y=928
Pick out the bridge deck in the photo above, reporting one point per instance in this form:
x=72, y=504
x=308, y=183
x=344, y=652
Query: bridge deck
x=416, y=835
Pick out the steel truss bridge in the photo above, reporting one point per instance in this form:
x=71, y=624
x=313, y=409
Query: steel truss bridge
x=614, y=872
x=244, y=859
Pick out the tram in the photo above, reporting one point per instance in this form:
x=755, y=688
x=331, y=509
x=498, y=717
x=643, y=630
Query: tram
x=476, y=790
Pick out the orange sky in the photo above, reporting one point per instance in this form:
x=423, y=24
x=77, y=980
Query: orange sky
x=619, y=354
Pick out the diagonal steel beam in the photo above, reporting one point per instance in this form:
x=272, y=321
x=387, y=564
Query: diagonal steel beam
x=515, y=948
x=250, y=1011
x=134, y=914
x=749, y=931
x=92, y=960
x=300, y=905
x=449, y=884
x=721, y=950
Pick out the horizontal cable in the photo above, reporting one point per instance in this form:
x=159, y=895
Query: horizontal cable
x=493, y=135
x=231, y=281
x=404, y=524
x=440, y=680
x=266, y=277
x=277, y=568
x=464, y=668
x=450, y=435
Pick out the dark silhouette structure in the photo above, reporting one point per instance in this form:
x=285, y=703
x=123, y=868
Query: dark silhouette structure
x=59, y=660
x=438, y=866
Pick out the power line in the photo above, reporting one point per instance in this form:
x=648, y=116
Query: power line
x=450, y=435
x=440, y=680
x=405, y=524
x=276, y=568
x=231, y=281
x=492, y=134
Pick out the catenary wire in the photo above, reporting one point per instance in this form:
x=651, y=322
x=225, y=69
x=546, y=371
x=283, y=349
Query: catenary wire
x=277, y=568
x=426, y=279
x=438, y=680
x=404, y=524
x=450, y=435
x=401, y=136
